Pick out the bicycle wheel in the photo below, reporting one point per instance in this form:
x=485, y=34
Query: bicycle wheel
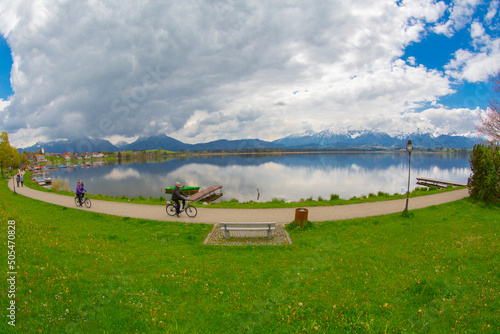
x=171, y=210
x=191, y=211
x=88, y=203
x=77, y=201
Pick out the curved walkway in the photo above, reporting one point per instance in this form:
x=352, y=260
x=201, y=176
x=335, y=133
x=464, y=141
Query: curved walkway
x=213, y=216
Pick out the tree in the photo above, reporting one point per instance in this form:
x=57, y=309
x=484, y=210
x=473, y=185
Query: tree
x=490, y=121
x=6, y=152
x=484, y=182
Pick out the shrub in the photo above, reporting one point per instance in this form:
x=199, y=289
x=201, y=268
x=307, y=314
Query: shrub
x=484, y=181
x=60, y=184
x=334, y=197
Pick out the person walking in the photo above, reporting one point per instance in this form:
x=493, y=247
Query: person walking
x=177, y=195
x=22, y=180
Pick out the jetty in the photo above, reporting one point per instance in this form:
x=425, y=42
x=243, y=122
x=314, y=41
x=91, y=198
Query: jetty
x=424, y=181
x=207, y=195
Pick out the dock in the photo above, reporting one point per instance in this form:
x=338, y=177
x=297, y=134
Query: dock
x=424, y=181
x=207, y=195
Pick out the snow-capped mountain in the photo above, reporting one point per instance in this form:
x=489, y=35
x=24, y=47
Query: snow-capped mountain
x=346, y=139
x=372, y=139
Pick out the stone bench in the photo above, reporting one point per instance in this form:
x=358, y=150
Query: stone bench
x=247, y=226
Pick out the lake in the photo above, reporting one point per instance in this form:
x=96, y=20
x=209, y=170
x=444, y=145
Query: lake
x=290, y=177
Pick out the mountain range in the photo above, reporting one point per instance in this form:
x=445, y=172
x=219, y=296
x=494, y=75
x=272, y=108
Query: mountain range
x=309, y=140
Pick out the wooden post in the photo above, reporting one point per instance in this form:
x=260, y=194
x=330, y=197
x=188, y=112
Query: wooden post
x=301, y=216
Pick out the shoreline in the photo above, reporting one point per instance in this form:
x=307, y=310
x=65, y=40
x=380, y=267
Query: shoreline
x=217, y=215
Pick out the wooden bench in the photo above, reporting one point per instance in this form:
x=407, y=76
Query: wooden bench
x=247, y=226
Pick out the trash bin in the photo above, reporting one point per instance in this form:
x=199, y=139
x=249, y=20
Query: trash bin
x=301, y=216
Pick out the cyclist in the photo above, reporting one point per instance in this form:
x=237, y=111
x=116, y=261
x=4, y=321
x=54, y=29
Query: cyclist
x=80, y=191
x=177, y=195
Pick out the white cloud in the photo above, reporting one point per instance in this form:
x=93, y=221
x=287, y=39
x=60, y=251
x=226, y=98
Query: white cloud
x=460, y=14
x=479, y=65
x=4, y=104
x=200, y=71
x=492, y=11
x=444, y=121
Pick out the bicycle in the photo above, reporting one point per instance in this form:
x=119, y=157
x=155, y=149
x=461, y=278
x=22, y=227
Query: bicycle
x=85, y=201
x=190, y=210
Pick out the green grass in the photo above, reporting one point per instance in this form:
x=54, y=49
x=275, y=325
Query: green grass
x=275, y=203
x=433, y=271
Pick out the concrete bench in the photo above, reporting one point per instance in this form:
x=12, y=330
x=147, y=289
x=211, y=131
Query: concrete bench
x=227, y=227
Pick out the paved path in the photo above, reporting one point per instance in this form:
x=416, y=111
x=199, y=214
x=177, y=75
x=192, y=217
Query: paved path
x=283, y=216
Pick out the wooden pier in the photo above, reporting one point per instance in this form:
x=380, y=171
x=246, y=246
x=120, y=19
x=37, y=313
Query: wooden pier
x=424, y=181
x=207, y=195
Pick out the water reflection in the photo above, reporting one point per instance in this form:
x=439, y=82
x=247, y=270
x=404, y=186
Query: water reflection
x=117, y=175
x=289, y=177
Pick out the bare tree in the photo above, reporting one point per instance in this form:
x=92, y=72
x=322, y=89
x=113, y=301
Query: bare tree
x=490, y=121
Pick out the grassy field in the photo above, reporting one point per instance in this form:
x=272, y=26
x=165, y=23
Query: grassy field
x=435, y=271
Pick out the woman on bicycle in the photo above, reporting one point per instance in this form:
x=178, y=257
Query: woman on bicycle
x=177, y=195
x=80, y=190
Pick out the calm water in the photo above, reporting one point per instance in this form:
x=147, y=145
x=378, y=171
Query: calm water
x=290, y=177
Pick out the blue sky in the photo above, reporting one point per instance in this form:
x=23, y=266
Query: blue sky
x=435, y=51
x=200, y=71
x=5, y=67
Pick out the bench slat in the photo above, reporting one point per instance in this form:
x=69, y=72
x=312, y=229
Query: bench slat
x=247, y=226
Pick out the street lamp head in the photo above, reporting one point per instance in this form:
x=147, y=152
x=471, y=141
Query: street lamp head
x=409, y=146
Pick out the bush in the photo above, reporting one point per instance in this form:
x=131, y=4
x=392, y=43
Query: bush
x=60, y=184
x=484, y=181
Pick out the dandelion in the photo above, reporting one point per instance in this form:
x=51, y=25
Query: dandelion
x=300, y=304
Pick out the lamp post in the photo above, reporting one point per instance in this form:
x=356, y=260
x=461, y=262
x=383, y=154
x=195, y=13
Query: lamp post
x=409, y=148
x=13, y=176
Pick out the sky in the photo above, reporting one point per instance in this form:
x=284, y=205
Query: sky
x=202, y=70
